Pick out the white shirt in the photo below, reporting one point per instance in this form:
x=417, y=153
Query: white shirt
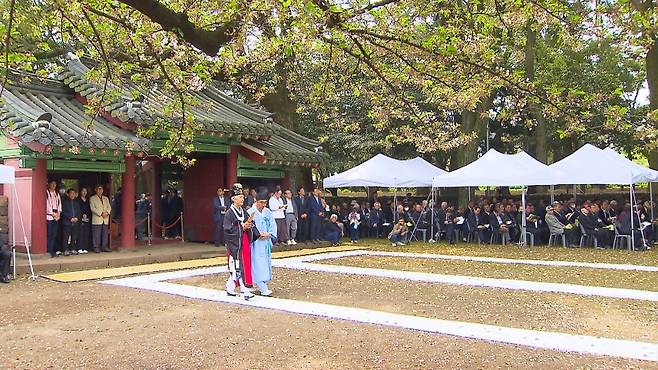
x=291, y=205
x=274, y=205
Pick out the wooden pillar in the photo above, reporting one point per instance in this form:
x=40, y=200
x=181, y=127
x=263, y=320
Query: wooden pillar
x=285, y=182
x=156, y=194
x=232, y=166
x=128, y=203
x=39, y=184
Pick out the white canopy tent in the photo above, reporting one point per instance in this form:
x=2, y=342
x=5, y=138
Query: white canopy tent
x=8, y=176
x=591, y=165
x=383, y=171
x=639, y=173
x=498, y=169
x=649, y=174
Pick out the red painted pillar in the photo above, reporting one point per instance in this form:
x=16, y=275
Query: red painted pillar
x=128, y=203
x=285, y=182
x=156, y=193
x=232, y=166
x=39, y=183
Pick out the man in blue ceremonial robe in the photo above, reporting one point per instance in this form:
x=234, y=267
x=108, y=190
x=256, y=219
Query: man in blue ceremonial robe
x=265, y=234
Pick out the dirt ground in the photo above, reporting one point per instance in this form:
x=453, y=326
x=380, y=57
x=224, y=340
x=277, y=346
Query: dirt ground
x=642, y=280
x=565, y=313
x=95, y=326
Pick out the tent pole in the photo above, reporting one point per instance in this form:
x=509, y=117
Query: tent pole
x=523, y=219
x=395, y=206
x=651, y=202
x=575, y=191
x=432, y=218
x=469, y=193
x=552, y=194
x=630, y=191
x=422, y=213
x=13, y=233
x=27, y=244
x=644, y=241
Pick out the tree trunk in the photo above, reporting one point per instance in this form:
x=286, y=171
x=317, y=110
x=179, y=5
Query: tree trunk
x=280, y=103
x=538, y=139
x=470, y=121
x=652, y=81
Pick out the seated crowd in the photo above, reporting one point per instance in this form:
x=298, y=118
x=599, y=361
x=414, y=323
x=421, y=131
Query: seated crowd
x=601, y=224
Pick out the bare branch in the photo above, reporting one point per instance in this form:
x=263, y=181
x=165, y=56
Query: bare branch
x=485, y=68
x=374, y=5
x=412, y=66
x=366, y=59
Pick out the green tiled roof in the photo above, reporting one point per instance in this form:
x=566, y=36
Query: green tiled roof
x=26, y=99
x=216, y=112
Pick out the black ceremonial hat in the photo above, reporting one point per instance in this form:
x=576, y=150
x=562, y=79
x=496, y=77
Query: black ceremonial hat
x=236, y=189
x=262, y=194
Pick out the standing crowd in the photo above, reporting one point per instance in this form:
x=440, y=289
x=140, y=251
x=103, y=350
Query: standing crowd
x=77, y=222
x=298, y=217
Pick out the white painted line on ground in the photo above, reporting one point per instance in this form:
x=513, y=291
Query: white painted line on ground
x=553, y=263
x=179, y=274
x=594, y=265
x=531, y=338
x=473, y=281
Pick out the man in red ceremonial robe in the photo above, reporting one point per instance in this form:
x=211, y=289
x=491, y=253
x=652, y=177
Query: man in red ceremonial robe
x=237, y=229
x=246, y=258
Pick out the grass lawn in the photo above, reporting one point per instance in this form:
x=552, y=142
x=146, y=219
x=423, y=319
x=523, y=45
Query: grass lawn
x=512, y=251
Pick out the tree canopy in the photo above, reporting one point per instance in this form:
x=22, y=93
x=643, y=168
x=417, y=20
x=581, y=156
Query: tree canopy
x=367, y=76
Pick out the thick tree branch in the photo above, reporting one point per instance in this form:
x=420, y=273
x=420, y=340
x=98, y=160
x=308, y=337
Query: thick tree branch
x=208, y=41
x=374, y=5
x=12, y=5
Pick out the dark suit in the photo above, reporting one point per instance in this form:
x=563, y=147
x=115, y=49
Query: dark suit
x=605, y=217
x=420, y=219
x=218, y=213
x=315, y=218
x=573, y=233
x=70, y=209
x=332, y=232
x=512, y=226
x=495, y=224
x=5, y=261
x=172, y=211
x=84, y=239
x=590, y=224
x=481, y=222
x=301, y=206
x=248, y=201
x=375, y=222
x=388, y=214
x=142, y=209
x=447, y=225
x=533, y=228
x=471, y=221
x=439, y=217
x=624, y=223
